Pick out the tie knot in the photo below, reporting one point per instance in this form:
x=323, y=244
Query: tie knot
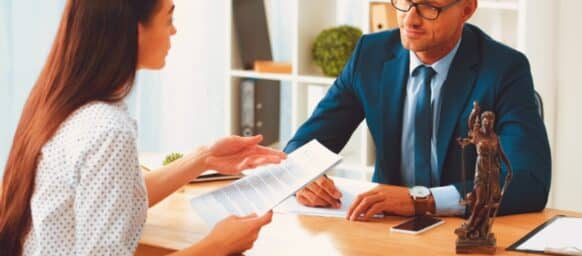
x=425, y=72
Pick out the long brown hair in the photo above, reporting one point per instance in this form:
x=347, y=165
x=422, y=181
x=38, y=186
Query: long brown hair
x=93, y=58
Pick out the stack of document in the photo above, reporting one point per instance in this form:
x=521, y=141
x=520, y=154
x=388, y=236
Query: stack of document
x=262, y=189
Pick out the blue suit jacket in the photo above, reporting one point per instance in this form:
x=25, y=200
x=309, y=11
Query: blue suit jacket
x=372, y=86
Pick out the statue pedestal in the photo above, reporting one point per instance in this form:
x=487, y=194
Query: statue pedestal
x=482, y=246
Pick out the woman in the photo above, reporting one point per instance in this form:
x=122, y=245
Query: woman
x=72, y=184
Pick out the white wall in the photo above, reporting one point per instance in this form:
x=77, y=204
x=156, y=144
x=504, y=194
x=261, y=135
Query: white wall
x=180, y=108
x=25, y=41
x=567, y=176
x=5, y=78
x=194, y=76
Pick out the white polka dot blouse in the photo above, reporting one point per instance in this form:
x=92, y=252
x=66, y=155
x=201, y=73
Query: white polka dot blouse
x=90, y=196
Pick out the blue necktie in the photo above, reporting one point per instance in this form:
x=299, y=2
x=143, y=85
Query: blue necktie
x=423, y=127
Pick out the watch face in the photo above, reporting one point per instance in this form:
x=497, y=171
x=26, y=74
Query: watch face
x=419, y=191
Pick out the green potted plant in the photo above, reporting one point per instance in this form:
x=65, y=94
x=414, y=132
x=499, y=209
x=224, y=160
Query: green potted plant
x=172, y=157
x=333, y=47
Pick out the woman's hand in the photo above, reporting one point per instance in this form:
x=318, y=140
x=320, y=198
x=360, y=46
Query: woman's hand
x=233, y=154
x=236, y=234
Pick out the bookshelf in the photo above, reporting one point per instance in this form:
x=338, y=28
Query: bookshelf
x=304, y=20
x=301, y=22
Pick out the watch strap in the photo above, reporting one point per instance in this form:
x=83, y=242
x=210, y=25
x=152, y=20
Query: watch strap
x=424, y=205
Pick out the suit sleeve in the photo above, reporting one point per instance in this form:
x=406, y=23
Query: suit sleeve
x=524, y=140
x=337, y=115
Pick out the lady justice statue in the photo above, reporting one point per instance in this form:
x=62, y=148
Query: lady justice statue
x=475, y=235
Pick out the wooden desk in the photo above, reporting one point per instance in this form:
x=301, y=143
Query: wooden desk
x=173, y=225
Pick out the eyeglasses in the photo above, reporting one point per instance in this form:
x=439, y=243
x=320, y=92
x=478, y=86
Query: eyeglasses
x=425, y=10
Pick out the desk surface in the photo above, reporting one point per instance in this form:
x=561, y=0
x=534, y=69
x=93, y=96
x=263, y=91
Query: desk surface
x=173, y=225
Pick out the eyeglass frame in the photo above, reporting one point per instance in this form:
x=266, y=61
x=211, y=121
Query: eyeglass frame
x=439, y=9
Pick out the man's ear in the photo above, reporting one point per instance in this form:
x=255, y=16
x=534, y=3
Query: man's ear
x=140, y=28
x=140, y=32
x=469, y=9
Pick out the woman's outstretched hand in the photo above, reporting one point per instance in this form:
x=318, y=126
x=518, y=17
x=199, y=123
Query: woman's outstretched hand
x=233, y=154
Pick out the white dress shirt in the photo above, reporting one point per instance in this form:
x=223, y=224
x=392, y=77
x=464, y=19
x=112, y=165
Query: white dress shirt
x=89, y=196
x=446, y=197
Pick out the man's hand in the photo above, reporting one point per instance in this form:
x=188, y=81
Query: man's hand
x=387, y=199
x=320, y=193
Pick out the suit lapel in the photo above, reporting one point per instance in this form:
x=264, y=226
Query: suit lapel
x=455, y=94
x=393, y=84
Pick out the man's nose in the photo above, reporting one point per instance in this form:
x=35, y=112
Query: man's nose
x=412, y=17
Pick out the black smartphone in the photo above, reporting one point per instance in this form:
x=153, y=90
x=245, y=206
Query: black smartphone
x=417, y=225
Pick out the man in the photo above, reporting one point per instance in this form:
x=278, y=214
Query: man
x=415, y=87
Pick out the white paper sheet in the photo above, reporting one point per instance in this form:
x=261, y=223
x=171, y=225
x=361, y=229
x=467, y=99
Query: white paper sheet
x=349, y=188
x=265, y=187
x=562, y=234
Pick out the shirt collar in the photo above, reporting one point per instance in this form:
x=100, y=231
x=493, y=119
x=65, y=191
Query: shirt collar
x=121, y=104
x=441, y=66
